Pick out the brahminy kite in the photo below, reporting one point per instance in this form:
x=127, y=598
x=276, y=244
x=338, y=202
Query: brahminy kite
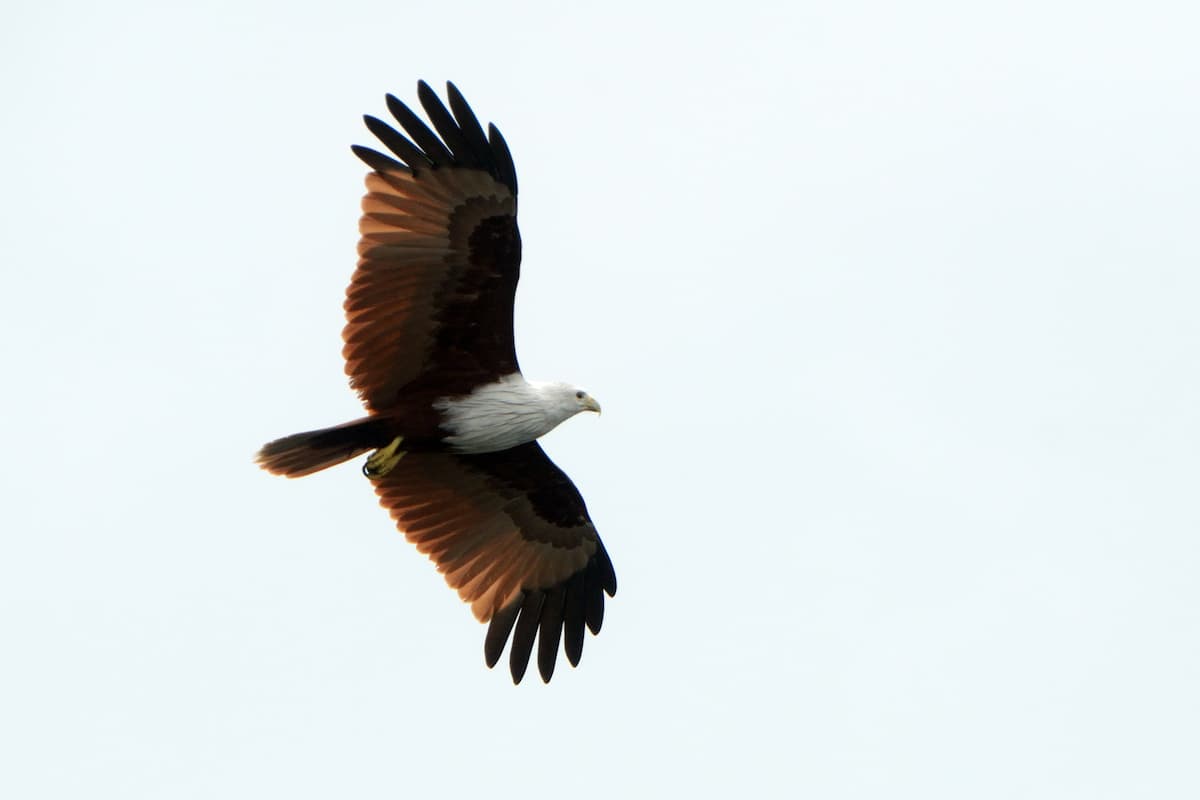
x=452, y=424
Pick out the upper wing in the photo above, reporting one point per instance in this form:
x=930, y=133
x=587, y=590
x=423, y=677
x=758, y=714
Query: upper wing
x=439, y=255
x=511, y=533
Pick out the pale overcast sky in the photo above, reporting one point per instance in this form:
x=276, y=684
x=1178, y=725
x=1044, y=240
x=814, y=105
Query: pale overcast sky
x=892, y=309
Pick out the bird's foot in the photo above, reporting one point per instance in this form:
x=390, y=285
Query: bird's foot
x=384, y=460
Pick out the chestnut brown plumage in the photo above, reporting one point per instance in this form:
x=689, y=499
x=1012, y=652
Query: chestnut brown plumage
x=428, y=344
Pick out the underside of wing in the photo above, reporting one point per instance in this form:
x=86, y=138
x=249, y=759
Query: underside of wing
x=439, y=255
x=511, y=534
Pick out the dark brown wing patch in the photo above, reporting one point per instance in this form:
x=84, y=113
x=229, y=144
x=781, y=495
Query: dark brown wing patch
x=439, y=256
x=511, y=534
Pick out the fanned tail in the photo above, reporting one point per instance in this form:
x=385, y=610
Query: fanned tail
x=312, y=451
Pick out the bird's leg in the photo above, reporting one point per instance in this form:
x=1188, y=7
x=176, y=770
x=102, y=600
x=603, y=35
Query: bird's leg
x=384, y=460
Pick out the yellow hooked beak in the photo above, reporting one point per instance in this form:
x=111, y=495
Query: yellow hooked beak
x=590, y=404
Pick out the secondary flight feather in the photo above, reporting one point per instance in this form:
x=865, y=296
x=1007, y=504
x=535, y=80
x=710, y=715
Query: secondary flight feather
x=452, y=424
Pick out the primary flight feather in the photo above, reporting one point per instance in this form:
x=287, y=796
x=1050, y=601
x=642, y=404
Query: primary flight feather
x=452, y=424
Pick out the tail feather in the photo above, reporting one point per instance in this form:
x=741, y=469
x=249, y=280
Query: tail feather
x=312, y=451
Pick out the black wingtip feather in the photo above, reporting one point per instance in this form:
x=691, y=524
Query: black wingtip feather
x=506, y=171
x=377, y=160
x=446, y=126
x=608, y=576
x=594, y=616
x=522, y=638
x=397, y=143
x=472, y=132
x=425, y=138
x=573, y=624
x=498, y=631
x=550, y=631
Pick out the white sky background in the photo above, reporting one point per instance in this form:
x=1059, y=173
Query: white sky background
x=892, y=310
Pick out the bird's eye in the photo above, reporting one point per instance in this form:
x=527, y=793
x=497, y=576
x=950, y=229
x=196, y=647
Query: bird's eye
x=579, y=395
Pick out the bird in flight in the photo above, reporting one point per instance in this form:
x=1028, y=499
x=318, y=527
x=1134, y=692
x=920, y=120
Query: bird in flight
x=452, y=424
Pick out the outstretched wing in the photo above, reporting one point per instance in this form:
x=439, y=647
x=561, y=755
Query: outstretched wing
x=511, y=533
x=439, y=255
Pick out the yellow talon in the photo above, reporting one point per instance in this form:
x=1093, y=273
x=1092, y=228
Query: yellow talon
x=384, y=460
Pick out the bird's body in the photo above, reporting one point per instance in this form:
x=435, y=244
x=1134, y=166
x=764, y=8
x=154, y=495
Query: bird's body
x=452, y=423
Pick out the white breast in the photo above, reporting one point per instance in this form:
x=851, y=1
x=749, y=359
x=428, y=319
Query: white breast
x=499, y=416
